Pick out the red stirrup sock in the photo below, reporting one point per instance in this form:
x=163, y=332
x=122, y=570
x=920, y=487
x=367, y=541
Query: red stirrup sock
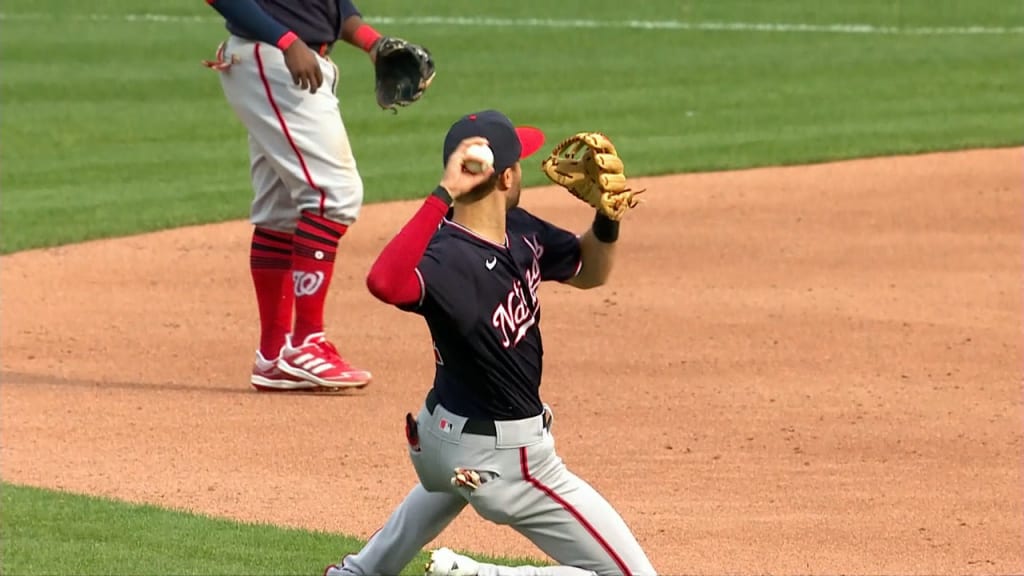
x=313, y=250
x=270, y=261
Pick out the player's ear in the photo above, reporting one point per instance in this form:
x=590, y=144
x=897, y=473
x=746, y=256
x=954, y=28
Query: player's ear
x=506, y=178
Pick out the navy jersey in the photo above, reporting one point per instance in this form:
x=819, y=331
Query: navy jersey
x=315, y=21
x=480, y=304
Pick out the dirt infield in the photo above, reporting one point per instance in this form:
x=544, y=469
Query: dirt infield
x=798, y=370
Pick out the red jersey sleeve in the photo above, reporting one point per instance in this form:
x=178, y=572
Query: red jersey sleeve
x=393, y=278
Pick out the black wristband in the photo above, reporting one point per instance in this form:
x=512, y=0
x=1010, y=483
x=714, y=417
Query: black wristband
x=605, y=229
x=443, y=194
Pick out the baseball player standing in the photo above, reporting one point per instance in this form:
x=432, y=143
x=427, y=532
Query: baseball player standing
x=279, y=80
x=483, y=437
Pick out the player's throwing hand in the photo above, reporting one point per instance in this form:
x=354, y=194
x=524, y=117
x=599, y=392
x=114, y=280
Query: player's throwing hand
x=304, y=66
x=457, y=180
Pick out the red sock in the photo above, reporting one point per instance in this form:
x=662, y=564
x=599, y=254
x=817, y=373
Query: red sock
x=316, y=243
x=270, y=260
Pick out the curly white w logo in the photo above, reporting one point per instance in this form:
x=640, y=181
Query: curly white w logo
x=307, y=283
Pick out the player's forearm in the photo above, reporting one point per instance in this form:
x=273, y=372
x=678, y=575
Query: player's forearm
x=355, y=30
x=597, y=254
x=392, y=278
x=248, y=15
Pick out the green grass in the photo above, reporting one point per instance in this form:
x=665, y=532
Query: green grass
x=111, y=127
x=45, y=532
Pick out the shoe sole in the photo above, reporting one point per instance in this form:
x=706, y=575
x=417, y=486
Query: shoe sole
x=312, y=389
x=262, y=383
x=320, y=382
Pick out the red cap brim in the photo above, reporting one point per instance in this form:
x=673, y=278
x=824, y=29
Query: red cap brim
x=530, y=138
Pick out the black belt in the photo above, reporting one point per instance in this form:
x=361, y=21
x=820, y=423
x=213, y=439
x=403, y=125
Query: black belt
x=321, y=48
x=478, y=427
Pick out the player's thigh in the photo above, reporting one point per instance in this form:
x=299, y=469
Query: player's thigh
x=272, y=204
x=574, y=524
x=303, y=133
x=325, y=179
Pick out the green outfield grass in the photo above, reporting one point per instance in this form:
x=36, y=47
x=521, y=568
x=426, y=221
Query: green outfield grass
x=48, y=533
x=111, y=126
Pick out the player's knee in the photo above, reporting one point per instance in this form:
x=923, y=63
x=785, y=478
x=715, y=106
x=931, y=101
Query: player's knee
x=277, y=223
x=341, y=205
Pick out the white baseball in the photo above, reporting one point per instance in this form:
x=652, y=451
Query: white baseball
x=478, y=158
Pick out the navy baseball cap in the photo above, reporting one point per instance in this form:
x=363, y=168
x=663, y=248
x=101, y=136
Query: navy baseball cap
x=509, y=143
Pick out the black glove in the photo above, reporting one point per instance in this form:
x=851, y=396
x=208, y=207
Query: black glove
x=403, y=70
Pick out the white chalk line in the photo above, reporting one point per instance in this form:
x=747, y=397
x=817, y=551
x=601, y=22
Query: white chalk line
x=679, y=25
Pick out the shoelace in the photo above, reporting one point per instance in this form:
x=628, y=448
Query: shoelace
x=332, y=352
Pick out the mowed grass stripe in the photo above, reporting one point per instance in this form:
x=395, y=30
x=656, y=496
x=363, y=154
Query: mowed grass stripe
x=703, y=26
x=893, y=13
x=47, y=532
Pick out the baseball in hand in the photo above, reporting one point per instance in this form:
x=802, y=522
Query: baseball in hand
x=478, y=158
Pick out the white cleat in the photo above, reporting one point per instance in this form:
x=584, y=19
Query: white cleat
x=444, y=562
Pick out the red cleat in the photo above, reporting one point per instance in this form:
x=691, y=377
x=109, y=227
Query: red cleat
x=317, y=361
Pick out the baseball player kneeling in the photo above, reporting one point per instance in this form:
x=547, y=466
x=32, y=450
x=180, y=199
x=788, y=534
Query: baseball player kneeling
x=483, y=436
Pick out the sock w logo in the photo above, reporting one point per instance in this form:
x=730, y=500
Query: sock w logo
x=307, y=283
